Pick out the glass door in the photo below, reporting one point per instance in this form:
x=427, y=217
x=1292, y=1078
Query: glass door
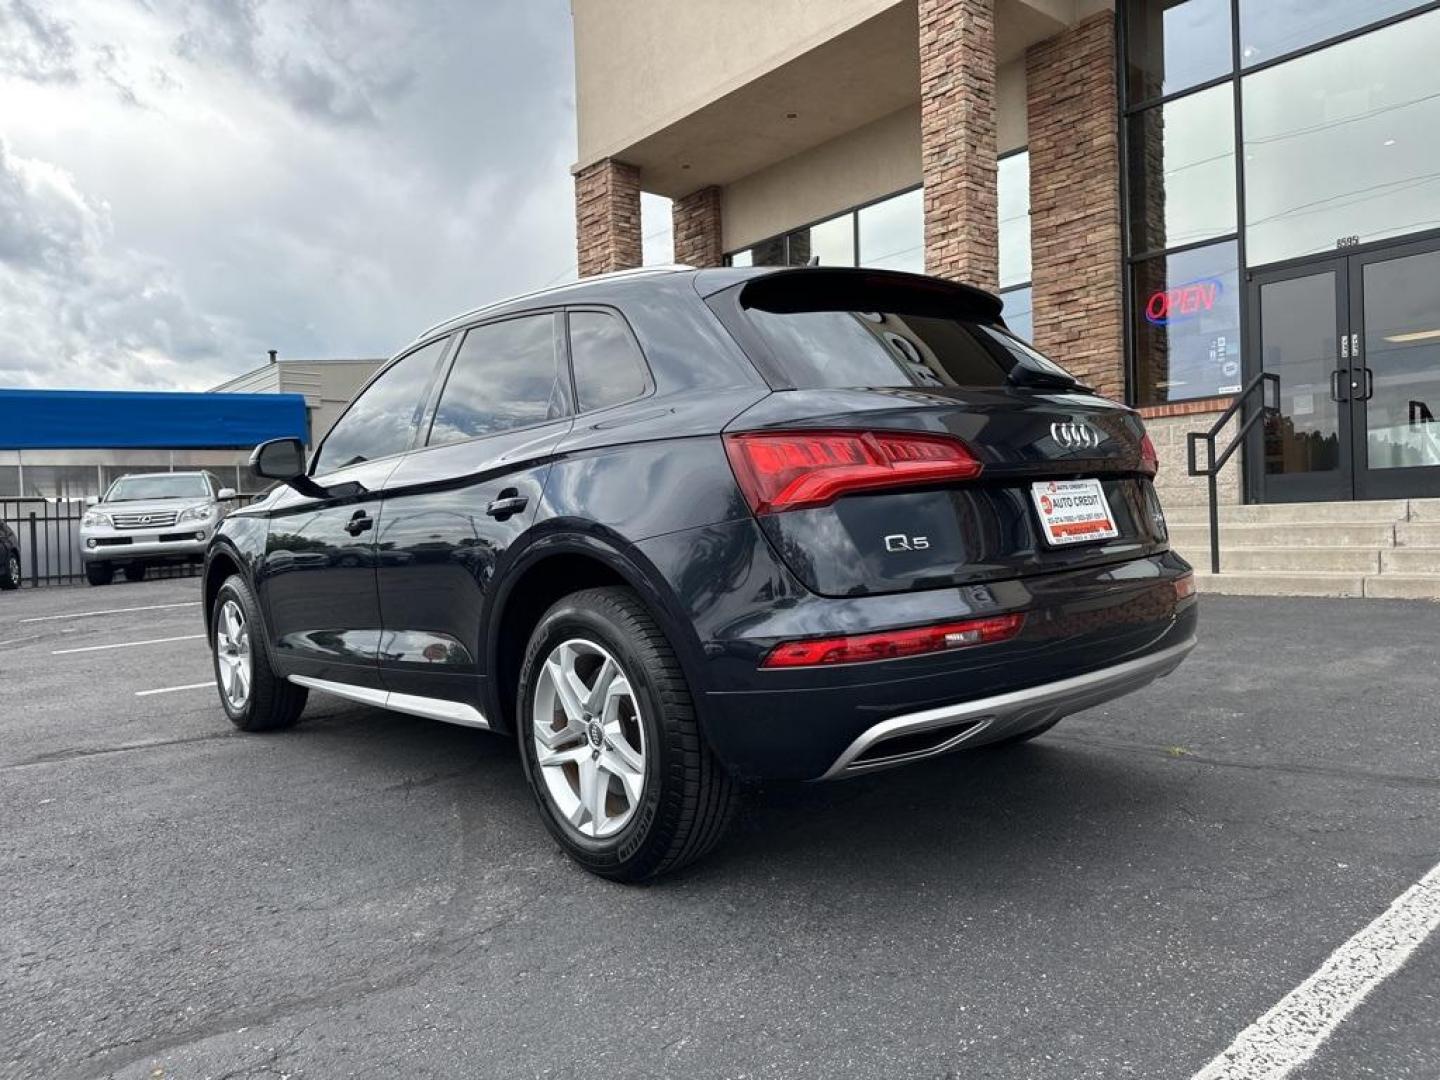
x=1395, y=335
x=1299, y=330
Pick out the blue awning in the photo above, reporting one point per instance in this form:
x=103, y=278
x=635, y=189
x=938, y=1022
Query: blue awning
x=131, y=419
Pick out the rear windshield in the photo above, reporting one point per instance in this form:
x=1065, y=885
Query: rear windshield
x=823, y=349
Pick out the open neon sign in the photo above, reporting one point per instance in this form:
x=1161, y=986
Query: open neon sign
x=1183, y=301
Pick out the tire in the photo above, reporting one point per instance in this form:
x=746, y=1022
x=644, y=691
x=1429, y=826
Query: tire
x=134, y=571
x=269, y=702
x=1022, y=736
x=685, y=798
x=99, y=573
x=10, y=571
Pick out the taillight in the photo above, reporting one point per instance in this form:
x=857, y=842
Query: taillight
x=787, y=470
x=1184, y=586
x=892, y=644
x=1149, y=460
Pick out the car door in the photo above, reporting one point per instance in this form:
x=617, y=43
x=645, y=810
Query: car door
x=317, y=579
x=454, y=507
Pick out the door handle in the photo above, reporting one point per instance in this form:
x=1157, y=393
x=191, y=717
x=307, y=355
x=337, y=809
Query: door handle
x=509, y=502
x=359, y=523
x=1335, y=377
x=1369, y=384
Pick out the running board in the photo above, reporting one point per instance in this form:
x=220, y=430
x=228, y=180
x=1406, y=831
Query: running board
x=451, y=712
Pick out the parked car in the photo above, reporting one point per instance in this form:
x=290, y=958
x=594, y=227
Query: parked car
x=149, y=518
x=675, y=530
x=9, y=558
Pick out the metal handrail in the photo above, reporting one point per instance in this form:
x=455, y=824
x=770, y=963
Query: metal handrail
x=1213, y=463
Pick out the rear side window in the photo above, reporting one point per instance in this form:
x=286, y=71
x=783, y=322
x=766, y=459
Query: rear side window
x=382, y=420
x=822, y=349
x=506, y=375
x=608, y=368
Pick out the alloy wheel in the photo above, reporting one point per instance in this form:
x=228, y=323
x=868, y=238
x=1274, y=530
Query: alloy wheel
x=589, y=738
x=232, y=652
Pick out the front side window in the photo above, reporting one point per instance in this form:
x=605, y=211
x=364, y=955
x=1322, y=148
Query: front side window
x=506, y=375
x=608, y=367
x=382, y=420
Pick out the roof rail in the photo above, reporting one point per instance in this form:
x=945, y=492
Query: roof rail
x=635, y=271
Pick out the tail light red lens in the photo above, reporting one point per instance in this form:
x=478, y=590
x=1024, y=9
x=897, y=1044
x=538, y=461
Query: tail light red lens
x=1149, y=460
x=893, y=644
x=789, y=470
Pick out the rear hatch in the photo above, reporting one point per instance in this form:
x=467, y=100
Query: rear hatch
x=913, y=443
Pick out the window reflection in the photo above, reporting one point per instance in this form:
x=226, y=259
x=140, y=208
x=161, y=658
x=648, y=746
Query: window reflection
x=1271, y=28
x=1013, y=197
x=1182, y=171
x=1018, y=314
x=1402, y=351
x=1185, y=315
x=830, y=243
x=1175, y=44
x=892, y=233
x=1339, y=144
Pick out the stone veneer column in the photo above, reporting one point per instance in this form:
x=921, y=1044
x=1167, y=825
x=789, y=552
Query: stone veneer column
x=1077, y=262
x=957, y=139
x=696, y=218
x=607, y=217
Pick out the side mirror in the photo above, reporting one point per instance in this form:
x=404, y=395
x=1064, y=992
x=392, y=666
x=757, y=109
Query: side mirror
x=278, y=459
x=92, y=500
x=225, y=494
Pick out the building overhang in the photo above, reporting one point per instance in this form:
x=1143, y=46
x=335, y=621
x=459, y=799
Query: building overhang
x=860, y=75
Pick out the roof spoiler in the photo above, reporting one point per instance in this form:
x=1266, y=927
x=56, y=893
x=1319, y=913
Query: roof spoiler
x=804, y=288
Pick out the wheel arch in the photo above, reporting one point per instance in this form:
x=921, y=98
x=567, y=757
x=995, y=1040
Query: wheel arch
x=554, y=567
x=220, y=563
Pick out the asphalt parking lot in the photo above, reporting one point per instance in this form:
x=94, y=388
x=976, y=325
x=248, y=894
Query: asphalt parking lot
x=373, y=895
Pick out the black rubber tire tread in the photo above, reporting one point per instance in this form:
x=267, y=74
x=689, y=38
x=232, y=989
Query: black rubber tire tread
x=99, y=573
x=134, y=571
x=275, y=702
x=9, y=581
x=1022, y=736
x=698, y=796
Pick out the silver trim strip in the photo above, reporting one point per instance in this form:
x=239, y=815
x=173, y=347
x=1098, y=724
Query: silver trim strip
x=1009, y=714
x=452, y=712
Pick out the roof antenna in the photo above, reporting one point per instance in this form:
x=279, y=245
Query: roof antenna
x=272, y=354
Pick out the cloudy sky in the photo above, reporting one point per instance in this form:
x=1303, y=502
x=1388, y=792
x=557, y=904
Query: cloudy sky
x=186, y=183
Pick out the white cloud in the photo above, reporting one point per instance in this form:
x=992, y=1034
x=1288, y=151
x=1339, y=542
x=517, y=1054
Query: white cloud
x=226, y=176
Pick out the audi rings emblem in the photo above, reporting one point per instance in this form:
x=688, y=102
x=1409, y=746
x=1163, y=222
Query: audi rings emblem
x=1076, y=435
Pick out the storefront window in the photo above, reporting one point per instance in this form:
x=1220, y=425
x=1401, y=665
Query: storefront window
x=1271, y=28
x=892, y=233
x=830, y=243
x=1017, y=312
x=1339, y=144
x=769, y=252
x=1186, y=324
x=1172, y=45
x=742, y=258
x=61, y=481
x=1182, y=171
x=1013, y=196
x=9, y=480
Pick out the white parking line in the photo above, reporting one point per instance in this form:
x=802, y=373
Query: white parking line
x=126, y=644
x=176, y=689
x=1289, y=1034
x=110, y=611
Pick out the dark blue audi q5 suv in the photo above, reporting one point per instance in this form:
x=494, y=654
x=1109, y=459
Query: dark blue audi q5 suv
x=676, y=529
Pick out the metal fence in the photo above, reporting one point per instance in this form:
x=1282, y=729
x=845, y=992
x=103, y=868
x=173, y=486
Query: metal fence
x=49, y=535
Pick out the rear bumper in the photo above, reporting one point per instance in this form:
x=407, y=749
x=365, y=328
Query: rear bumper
x=990, y=719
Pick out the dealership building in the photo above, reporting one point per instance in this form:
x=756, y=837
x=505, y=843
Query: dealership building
x=1171, y=197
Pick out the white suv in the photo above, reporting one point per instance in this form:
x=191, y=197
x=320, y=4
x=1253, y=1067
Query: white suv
x=148, y=518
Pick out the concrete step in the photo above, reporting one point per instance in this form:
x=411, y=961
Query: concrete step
x=1425, y=509
x=1404, y=586
x=1325, y=560
x=1271, y=584
x=1381, y=511
x=1409, y=560
x=1418, y=534
x=1196, y=538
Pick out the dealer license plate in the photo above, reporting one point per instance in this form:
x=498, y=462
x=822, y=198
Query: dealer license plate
x=1073, y=511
